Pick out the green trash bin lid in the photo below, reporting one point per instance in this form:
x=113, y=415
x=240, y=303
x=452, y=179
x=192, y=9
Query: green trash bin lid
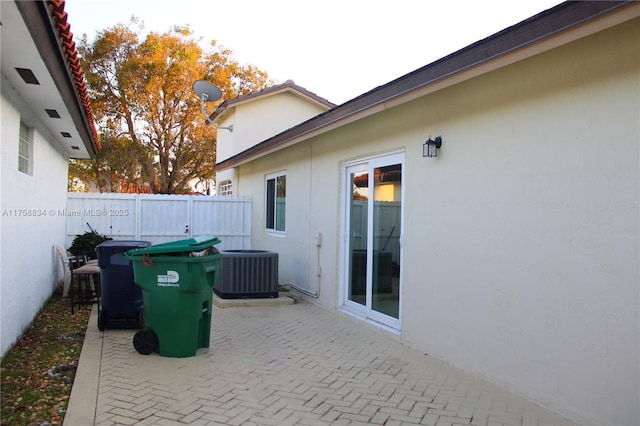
x=188, y=245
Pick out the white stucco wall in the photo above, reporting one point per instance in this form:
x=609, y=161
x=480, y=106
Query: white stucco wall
x=521, y=245
x=29, y=265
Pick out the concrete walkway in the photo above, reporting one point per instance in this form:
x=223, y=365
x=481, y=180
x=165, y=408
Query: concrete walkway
x=284, y=365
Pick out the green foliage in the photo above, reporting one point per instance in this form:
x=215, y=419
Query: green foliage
x=86, y=244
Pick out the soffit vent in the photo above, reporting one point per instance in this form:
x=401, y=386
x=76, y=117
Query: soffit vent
x=27, y=75
x=52, y=113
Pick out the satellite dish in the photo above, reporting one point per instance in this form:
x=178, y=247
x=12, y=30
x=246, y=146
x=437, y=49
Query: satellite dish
x=207, y=91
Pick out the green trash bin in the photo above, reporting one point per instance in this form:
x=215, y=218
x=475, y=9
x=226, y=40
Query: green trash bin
x=177, y=280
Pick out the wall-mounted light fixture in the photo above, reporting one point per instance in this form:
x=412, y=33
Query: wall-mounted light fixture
x=430, y=147
x=208, y=92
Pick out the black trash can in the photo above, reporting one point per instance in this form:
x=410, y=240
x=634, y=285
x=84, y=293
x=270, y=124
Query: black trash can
x=122, y=305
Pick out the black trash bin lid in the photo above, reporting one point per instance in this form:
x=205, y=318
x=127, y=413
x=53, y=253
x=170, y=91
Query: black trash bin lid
x=125, y=244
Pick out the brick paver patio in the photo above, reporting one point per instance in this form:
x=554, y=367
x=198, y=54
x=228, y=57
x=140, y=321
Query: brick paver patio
x=286, y=365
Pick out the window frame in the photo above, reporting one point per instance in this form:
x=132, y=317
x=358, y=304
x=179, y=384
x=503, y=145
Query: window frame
x=27, y=157
x=274, y=223
x=226, y=187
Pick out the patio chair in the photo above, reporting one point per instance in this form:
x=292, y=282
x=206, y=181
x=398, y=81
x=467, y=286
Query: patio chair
x=64, y=259
x=81, y=279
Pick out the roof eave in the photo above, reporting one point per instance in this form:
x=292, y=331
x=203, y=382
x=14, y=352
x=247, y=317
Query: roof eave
x=42, y=27
x=223, y=109
x=475, y=59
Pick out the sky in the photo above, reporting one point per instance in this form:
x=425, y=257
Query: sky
x=337, y=49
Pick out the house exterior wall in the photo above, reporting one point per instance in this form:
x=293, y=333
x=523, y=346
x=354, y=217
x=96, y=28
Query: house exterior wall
x=273, y=113
x=521, y=239
x=31, y=233
x=295, y=265
x=533, y=213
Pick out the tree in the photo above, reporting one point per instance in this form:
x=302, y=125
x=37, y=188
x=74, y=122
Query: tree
x=148, y=117
x=113, y=169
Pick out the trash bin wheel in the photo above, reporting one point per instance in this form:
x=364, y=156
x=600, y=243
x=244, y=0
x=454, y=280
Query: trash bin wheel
x=145, y=341
x=101, y=321
x=141, y=319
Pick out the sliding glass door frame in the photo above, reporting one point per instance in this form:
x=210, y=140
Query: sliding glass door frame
x=356, y=243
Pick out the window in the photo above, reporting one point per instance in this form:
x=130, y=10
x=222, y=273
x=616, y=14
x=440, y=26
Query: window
x=276, y=194
x=24, y=149
x=226, y=187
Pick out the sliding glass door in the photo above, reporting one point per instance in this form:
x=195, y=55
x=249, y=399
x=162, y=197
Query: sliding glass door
x=373, y=223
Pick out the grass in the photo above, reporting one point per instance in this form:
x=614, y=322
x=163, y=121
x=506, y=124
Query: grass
x=37, y=373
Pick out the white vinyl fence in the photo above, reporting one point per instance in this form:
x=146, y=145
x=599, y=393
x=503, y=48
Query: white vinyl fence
x=386, y=232
x=161, y=218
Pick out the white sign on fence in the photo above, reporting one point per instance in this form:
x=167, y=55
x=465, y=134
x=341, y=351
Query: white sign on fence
x=161, y=218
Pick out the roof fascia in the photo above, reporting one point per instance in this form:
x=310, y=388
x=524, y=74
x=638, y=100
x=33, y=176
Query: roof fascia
x=225, y=108
x=562, y=24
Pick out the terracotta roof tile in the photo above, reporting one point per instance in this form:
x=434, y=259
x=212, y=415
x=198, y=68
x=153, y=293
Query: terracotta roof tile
x=66, y=36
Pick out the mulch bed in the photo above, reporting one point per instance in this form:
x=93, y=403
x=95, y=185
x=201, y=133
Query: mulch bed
x=37, y=373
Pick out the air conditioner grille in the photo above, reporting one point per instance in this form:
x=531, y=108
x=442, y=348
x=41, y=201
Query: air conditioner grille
x=248, y=274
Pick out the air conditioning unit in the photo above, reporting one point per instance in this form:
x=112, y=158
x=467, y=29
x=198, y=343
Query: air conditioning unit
x=247, y=274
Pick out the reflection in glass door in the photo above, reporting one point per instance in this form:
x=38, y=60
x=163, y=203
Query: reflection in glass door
x=358, y=207
x=373, y=225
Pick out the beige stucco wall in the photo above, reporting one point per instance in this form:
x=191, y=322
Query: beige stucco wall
x=521, y=239
x=262, y=118
x=533, y=231
x=258, y=120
